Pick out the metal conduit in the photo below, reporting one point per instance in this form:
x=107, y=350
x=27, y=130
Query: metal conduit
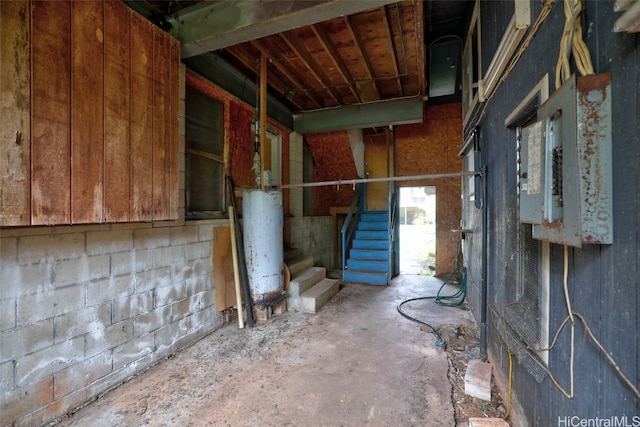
x=382, y=179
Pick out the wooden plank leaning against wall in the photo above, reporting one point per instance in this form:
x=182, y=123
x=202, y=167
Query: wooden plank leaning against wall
x=92, y=90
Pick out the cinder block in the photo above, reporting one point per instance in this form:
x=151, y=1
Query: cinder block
x=18, y=280
x=33, y=308
x=109, y=289
x=80, y=322
x=28, y=339
x=7, y=379
x=111, y=336
x=280, y=307
x=38, y=365
x=166, y=256
x=149, y=322
x=261, y=314
x=8, y=250
x=7, y=314
x=198, y=250
x=165, y=295
x=149, y=238
x=184, y=235
x=80, y=270
x=147, y=280
x=131, y=306
x=14, y=406
x=477, y=380
x=134, y=261
x=58, y=246
x=81, y=374
x=133, y=350
x=205, y=233
x=106, y=242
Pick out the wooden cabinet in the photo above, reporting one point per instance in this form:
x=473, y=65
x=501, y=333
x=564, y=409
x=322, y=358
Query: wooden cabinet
x=89, y=114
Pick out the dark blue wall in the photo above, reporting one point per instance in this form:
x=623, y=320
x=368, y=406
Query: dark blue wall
x=603, y=279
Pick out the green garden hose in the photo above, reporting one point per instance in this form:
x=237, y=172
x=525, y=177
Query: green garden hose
x=452, y=300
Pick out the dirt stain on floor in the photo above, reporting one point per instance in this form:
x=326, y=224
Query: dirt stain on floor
x=357, y=362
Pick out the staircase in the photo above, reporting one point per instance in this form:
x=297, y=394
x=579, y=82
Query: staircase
x=309, y=288
x=368, y=259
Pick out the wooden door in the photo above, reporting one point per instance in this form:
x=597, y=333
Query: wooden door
x=376, y=165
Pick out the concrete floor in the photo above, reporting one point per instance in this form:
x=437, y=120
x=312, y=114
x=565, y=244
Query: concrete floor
x=357, y=362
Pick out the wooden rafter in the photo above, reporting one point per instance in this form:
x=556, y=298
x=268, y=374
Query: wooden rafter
x=289, y=74
x=312, y=65
x=336, y=59
x=392, y=49
x=418, y=18
x=363, y=56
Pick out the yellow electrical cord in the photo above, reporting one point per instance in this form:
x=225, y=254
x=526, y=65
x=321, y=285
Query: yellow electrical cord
x=572, y=42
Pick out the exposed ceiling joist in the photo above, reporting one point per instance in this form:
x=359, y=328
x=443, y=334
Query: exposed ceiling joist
x=230, y=22
x=337, y=61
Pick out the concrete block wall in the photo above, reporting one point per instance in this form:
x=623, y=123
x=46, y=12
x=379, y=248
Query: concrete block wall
x=313, y=235
x=84, y=308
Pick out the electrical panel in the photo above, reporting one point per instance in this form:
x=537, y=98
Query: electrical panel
x=565, y=165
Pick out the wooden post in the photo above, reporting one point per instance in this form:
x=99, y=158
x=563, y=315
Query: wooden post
x=236, y=272
x=263, y=116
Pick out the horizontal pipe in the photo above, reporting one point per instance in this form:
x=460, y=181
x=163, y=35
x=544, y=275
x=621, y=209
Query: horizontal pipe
x=383, y=179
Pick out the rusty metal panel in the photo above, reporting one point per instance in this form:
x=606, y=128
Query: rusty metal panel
x=578, y=192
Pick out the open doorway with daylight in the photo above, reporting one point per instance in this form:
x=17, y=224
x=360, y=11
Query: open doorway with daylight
x=417, y=219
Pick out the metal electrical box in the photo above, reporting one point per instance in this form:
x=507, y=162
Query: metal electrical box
x=565, y=165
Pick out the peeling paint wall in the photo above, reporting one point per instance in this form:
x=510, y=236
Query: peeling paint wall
x=432, y=147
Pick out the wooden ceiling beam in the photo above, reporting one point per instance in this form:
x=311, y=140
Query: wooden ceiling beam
x=328, y=46
x=418, y=10
x=392, y=48
x=312, y=65
x=363, y=56
x=289, y=74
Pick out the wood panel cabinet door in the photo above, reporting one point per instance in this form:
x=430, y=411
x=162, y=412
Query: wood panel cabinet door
x=89, y=114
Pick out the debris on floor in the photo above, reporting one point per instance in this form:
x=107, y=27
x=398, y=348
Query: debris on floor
x=463, y=346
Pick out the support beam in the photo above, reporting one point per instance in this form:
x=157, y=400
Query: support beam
x=263, y=117
x=230, y=22
x=218, y=71
x=404, y=111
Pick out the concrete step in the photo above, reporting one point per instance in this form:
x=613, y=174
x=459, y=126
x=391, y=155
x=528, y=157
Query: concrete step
x=366, y=277
x=299, y=265
x=316, y=297
x=291, y=254
x=302, y=283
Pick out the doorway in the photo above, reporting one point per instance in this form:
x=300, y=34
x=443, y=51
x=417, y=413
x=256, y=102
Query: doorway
x=417, y=222
x=377, y=161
